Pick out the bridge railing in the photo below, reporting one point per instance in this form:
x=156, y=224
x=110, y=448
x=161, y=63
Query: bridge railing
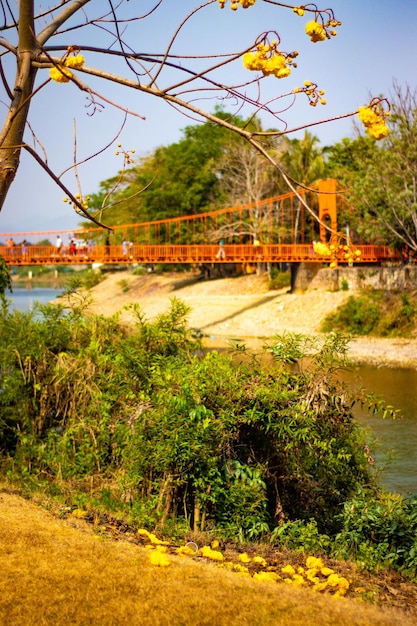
x=189, y=254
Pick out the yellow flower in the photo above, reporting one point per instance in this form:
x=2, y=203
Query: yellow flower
x=288, y=569
x=244, y=558
x=320, y=586
x=159, y=558
x=75, y=62
x=323, y=250
x=326, y=571
x=260, y=560
x=271, y=577
x=59, y=74
x=299, y=10
x=214, y=555
x=283, y=73
x=157, y=542
x=378, y=131
x=185, y=551
x=315, y=31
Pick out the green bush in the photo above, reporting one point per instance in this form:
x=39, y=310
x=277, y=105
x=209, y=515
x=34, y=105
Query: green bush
x=174, y=437
x=358, y=316
x=278, y=279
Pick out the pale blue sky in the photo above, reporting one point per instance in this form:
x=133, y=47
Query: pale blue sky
x=376, y=44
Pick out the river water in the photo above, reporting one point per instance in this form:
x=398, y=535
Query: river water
x=398, y=387
x=22, y=298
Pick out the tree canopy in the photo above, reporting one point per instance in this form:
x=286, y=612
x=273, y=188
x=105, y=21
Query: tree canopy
x=381, y=179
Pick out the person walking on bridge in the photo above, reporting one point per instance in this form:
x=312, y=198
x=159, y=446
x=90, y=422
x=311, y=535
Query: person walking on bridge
x=58, y=245
x=221, y=254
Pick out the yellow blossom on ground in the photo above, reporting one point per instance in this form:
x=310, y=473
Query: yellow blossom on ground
x=161, y=548
x=298, y=580
x=288, y=569
x=240, y=569
x=260, y=560
x=244, y=558
x=326, y=571
x=271, y=577
x=314, y=562
x=185, y=551
x=79, y=513
x=159, y=559
x=154, y=539
x=214, y=555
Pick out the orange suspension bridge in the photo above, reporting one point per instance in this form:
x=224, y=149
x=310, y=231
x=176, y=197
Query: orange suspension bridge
x=275, y=230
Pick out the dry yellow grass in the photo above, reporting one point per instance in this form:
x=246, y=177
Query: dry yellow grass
x=58, y=572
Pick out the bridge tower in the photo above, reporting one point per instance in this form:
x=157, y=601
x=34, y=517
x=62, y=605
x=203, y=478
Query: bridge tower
x=327, y=207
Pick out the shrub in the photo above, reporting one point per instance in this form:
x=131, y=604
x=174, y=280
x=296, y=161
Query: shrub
x=172, y=432
x=374, y=313
x=278, y=279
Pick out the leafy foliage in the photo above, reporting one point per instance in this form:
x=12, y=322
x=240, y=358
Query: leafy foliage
x=374, y=313
x=381, y=178
x=169, y=434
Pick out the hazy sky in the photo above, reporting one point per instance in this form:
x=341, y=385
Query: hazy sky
x=376, y=44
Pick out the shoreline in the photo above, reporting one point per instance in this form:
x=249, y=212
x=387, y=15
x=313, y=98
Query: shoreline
x=243, y=307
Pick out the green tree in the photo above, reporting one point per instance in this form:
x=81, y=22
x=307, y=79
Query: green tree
x=178, y=179
x=381, y=179
x=304, y=163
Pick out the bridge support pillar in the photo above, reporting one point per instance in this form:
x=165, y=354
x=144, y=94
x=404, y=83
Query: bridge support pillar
x=327, y=208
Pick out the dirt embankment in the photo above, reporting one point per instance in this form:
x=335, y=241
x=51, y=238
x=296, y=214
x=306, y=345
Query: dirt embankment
x=243, y=307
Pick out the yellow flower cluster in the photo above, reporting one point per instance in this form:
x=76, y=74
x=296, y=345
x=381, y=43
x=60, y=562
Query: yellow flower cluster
x=321, y=31
x=60, y=73
x=269, y=60
x=234, y=4
x=83, y=201
x=315, y=573
x=348, y=253
x=159, y=558
x=373, y=118
x=209, y=553
x=315, y=31
x=127, y=154
x=314, y=95
x=152, y=538
x=76, y=61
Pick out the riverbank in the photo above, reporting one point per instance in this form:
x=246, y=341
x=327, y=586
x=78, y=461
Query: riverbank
x=243, y=307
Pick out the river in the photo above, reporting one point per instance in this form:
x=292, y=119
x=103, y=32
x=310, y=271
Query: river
x=396, y=439
x=23, y=298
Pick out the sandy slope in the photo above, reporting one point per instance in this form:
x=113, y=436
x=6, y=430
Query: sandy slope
x=242, y=307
